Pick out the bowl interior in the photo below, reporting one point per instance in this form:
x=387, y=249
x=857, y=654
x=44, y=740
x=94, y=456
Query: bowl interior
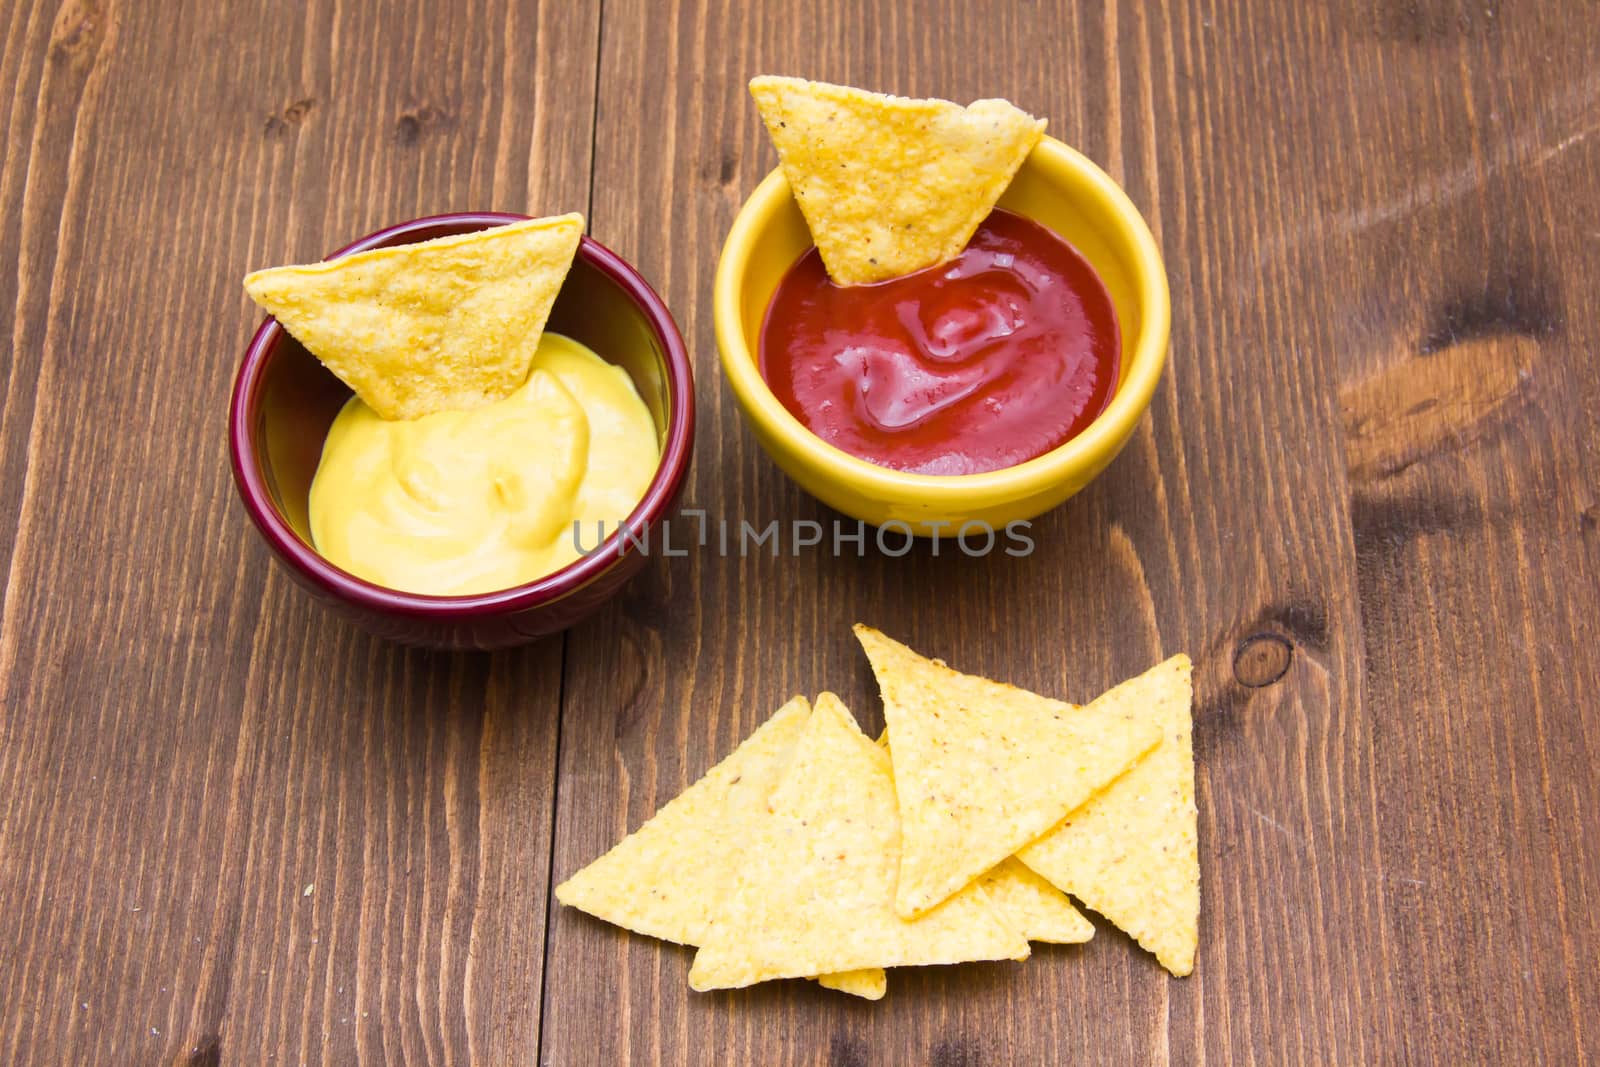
x=300, y=397
x=1049, y=188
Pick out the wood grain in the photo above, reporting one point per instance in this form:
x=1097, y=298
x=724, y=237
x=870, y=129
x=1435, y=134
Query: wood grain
x=234, y=830
x=1364, y=817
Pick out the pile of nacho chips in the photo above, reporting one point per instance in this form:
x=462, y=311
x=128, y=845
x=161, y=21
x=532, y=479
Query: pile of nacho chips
x=813, y=852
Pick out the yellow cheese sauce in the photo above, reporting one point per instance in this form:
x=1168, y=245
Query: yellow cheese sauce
x=462, y=502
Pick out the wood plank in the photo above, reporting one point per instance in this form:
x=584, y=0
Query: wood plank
x=232, y=828
x=1370, y=820
x=1468, y=409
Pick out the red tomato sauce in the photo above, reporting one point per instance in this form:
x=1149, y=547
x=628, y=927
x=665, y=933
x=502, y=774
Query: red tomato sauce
x=984, y=362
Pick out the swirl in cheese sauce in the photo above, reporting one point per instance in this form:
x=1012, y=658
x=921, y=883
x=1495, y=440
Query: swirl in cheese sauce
x=462, y=502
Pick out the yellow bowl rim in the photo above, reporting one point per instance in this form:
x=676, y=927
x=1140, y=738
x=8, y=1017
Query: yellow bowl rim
x=1142, y=366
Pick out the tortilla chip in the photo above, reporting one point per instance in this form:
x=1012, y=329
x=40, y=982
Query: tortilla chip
x=891, y=185
x=868, y=984
x=1036, y=908
x=815, y=891
x=982, y=768
x=1132, y=853
x=668, y=877
x=447, y=324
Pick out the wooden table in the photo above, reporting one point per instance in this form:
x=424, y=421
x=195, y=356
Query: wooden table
x=233, y=829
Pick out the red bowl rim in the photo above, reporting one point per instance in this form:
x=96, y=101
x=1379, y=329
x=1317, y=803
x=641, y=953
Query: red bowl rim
x=552, y=587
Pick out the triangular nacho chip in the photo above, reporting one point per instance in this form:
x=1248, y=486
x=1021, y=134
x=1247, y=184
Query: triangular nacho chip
x=870, y=983
x=667, y=878
x=1038, y=910
x=890, y=185
x=982, y=768
x=446, y=324
x=1132, y=852
x=1035, y=908
x=815, y=889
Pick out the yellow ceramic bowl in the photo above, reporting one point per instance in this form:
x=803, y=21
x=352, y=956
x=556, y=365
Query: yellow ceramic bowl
x=1057, y=187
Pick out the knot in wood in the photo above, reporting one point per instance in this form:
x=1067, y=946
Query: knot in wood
x=1261, y=659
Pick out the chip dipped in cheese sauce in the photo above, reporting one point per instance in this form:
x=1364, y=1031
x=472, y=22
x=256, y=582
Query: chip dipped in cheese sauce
x=462, y=502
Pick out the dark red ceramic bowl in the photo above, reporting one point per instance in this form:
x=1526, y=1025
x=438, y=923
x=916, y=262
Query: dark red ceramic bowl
x=284, y=401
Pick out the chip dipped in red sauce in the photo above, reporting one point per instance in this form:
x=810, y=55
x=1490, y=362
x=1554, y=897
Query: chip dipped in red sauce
x=992, y=359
